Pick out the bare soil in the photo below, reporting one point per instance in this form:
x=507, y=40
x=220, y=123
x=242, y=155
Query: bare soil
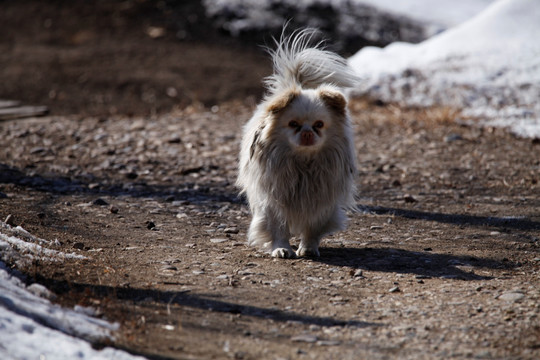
x=442, y=259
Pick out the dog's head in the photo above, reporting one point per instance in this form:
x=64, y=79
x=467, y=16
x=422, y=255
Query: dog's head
x=308, y=118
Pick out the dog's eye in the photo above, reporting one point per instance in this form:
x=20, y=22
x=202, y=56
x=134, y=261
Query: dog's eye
x=293, y=124
x=318, y=124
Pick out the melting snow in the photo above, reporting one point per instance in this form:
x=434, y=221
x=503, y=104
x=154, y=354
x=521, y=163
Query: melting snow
x=31, y=327
x=488, y=66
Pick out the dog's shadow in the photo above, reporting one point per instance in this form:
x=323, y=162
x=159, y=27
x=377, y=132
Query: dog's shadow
x=423, y=264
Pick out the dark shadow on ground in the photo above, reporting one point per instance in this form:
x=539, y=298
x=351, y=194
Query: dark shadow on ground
x=422, y=264
x=456, y=219
x=198, y=301
x=65, y=185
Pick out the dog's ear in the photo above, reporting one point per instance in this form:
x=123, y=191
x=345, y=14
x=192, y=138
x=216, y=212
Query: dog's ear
x=334, y=100
x=280, y=103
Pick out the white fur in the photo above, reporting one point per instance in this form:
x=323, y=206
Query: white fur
x=295, y=62
x=293, y=189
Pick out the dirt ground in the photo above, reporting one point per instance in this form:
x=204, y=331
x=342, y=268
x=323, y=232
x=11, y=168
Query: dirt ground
x=442, y=259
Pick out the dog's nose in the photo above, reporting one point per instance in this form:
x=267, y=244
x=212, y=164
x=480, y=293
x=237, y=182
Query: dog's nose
x=307, y=138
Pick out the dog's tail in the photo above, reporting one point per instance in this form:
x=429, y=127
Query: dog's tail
x=299, y=63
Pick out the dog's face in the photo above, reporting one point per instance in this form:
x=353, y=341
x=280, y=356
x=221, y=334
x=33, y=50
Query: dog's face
x=307, y=118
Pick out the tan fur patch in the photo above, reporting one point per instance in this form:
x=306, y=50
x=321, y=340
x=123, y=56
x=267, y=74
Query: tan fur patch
x=334, y=101
x=280, y=103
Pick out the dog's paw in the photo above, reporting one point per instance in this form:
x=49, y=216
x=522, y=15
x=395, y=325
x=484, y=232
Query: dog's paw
x=307, y=252
x=283, y=253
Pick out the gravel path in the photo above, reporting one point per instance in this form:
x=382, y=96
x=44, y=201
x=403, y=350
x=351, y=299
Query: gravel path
x=441, y=260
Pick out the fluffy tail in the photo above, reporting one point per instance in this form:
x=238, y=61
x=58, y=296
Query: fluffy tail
x=298, y=63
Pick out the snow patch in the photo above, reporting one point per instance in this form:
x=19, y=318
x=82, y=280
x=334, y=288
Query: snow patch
x=27, y=246
x=31, y=327
x=488, y=66
x=442, y=13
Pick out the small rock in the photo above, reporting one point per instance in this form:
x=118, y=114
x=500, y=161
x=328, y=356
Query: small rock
x=3, y=196
x=175, y=139
x=358, y=273
x=409, y=198
x=375, y=227
x=218, y=240
x=155, y=32
x=511, y=296
x=453, y=137
x=338, y=300
x=395, y=289
x=114, y=210
x=328, y=342
x=304, y=338
x=231, y=230
x=150, y=225
x=100, y=202
x=78, y=246
x=132, y=175
x=37, y=150
x=169, y=268
x=93, y=186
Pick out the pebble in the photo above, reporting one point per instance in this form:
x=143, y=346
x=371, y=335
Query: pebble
x=231, y=230
x=100, y=202
x=394, y=289
x=169, y=268
x=37, y=150
x=338, y=300
x=511, y=296
x=218, y=240
x=453, y=137
x=409, y=198
x=328, y=343
x=304, y=338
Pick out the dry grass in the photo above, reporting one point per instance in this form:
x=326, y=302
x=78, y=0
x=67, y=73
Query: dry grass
x=393, y=114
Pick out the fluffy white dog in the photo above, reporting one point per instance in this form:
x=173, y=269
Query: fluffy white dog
x=297, y=162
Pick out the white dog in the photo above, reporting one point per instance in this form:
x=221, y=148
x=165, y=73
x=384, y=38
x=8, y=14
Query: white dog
x=297, y=162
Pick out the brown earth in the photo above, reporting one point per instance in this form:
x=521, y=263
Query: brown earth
x=441, y=260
